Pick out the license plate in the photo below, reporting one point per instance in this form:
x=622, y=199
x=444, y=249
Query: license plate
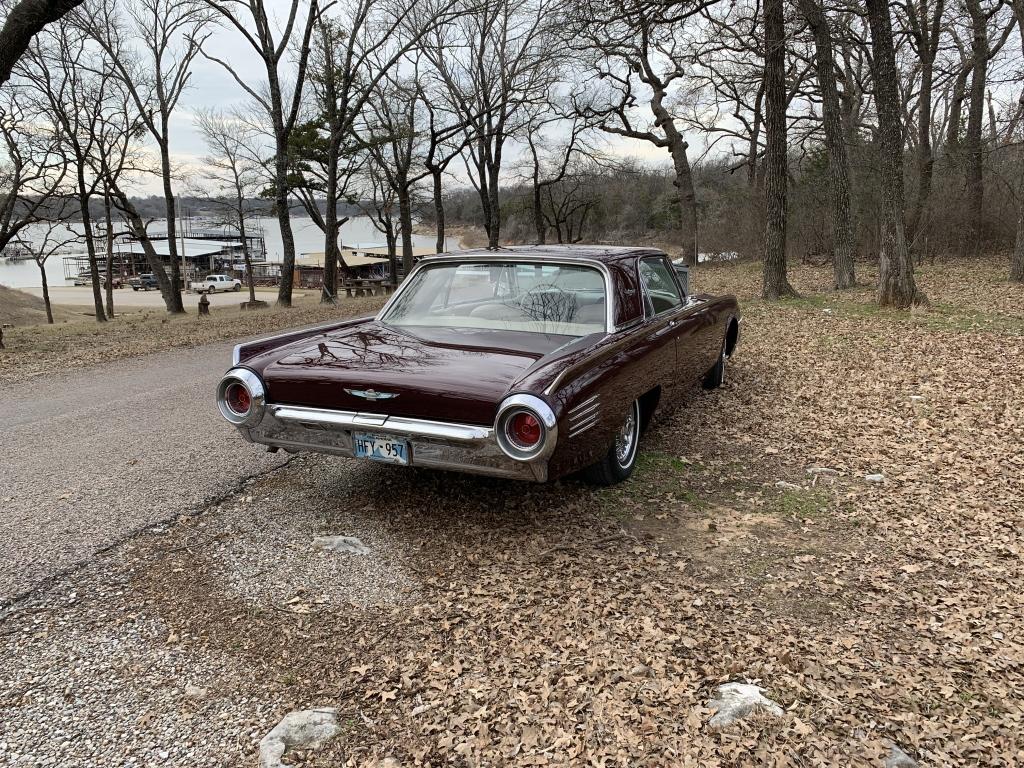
x=380, y=448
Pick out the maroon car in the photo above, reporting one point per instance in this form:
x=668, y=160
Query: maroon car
x=525, y=362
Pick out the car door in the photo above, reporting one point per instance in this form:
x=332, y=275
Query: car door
x=670, y=322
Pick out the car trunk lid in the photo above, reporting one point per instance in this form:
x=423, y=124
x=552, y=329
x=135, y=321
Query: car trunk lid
x=442, y=374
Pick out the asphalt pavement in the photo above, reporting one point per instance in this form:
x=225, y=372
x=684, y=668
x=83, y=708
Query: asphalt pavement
x=89, y=457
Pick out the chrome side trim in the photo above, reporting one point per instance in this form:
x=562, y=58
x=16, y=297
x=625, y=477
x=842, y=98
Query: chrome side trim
x=511, y=256
x=322, y=417
x=584, y=415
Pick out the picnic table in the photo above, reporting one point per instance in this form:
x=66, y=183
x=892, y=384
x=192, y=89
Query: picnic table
x=358, y=286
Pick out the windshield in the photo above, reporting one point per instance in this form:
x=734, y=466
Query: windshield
x=563, y=299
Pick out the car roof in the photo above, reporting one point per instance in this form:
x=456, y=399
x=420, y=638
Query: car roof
x=605, y=253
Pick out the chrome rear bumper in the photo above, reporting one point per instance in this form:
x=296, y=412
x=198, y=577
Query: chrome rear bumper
x=432, y=444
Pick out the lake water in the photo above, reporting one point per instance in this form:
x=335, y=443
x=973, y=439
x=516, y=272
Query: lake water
x=358, y=230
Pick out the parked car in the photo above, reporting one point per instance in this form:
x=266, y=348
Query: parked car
x=144, y=282
x=527, y=362
x=215, y=284
x=84, y=278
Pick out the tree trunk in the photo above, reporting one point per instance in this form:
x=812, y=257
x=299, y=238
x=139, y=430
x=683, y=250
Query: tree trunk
x=538, y=214
x=1017, y=258
x=438, y=209
x=494, y=204
x=240, y=202
x=925, y=157
x=974, y=151
x=109, y=221
x=776, y=283
x=90, y=247
x=389, y=238
x=896, y=286
x=329, y=290
x=405, y=223
x=46, y=294
x=177, y=305
x=839, y=168
x=171, y=296
x=284, y=220
x=677, y=148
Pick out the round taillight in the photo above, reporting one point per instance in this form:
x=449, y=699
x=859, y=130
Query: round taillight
x=238, y=399
x=524, y=429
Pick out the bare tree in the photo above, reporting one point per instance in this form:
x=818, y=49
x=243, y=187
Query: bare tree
x=839, y=166
x=35, y=168
x=280, y=100
x=50, y=237
x=72, y=84
x=775, y=283
x=637, y=47
x=983, y=20
x=233, y=177
x=496, y=62
x=896, y=285
x=155, y=73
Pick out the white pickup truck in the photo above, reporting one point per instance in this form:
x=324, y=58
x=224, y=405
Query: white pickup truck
x=216, y=284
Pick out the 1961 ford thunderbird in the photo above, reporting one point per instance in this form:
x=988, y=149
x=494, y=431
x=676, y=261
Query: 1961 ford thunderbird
x=525, y=362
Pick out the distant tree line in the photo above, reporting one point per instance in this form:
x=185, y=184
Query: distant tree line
x=828, y=129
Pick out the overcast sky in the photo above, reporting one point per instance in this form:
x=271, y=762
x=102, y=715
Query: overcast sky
x=211, y=87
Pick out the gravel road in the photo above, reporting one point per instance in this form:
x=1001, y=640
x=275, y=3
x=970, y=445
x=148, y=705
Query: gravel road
x=90, y=457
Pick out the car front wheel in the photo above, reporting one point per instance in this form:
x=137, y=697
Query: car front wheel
x=619, y=462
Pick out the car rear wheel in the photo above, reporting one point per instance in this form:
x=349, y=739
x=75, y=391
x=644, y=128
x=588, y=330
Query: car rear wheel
x=619, y=462
x=238, y=287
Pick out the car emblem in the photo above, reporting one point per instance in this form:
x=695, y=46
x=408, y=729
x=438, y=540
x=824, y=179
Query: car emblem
x=372, y=394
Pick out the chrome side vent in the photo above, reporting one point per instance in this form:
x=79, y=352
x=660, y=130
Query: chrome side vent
x=584, y=416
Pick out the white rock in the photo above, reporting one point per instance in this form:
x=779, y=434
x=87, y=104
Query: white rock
x=735, y=701
x=823, y=471
x=195, y=692
x=308, y=729
x=899, y=759
x=787, y=486
x=875, y=478
x=917, y=398
x=349, y=545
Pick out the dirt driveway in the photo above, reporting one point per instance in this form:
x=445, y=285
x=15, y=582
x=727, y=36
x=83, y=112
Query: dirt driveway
x=493, y=623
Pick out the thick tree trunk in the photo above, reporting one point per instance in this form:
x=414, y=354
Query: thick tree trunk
x=23, y=22
x=974, y=150
x=177, y=304
x=896, y=286
x=839, y=167
x=438, y=209
x=677, y=148
x=494, y=203
x=46, y=293
x=925, y=156
x=775, y=283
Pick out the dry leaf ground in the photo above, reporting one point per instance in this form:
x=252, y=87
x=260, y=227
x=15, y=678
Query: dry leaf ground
x=506, y=624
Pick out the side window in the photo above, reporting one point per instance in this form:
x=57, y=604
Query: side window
x=660, y=290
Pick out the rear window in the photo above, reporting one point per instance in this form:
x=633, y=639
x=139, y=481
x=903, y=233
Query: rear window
x=563, y=299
